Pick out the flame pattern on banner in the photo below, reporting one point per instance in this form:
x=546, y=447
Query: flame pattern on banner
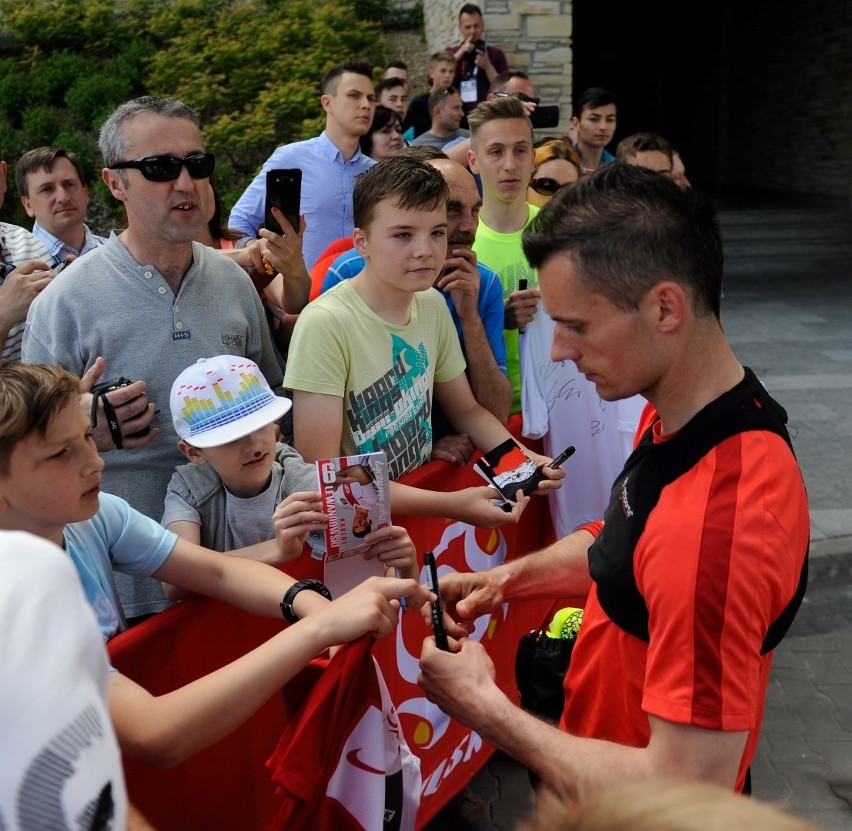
x=462, y=547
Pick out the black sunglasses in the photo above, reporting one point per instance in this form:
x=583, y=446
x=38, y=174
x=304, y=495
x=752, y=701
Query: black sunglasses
x=546, y=186
x=521, y=96
x=167, y=168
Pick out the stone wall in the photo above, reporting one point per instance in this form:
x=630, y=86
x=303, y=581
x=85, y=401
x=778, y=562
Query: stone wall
x=761, y=97
x=534, y=34
x=789, y=91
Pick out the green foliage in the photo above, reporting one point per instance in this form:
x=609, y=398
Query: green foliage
x=253, y=71
x=374, y=10
x=400, y=19
x=251, y=68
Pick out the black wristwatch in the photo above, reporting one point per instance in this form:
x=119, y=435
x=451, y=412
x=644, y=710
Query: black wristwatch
x=287, y=603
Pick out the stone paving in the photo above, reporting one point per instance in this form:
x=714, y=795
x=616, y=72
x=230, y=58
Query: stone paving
x=795, y=331
x=804, y=760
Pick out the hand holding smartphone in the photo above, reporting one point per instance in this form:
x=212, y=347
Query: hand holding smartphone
x=437, y=609
x=522, y=286
x=284, y=191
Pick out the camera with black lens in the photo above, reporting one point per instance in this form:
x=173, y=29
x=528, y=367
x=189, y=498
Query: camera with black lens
x=109, y=386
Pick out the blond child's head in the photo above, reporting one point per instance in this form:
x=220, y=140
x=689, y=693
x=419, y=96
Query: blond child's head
x=662, y=806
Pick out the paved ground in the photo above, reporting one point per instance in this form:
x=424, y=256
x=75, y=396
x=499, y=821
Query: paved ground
x=795, y=331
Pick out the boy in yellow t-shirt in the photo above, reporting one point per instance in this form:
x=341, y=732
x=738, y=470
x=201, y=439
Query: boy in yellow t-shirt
x=368, y=355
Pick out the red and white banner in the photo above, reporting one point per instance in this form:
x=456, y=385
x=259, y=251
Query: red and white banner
x=228, y=785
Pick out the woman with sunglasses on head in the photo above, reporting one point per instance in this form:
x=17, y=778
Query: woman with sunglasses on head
x=556, y=165
x=384, y=138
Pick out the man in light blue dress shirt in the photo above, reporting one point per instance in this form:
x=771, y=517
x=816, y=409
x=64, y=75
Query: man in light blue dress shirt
x=329, y=163
x=54, y=192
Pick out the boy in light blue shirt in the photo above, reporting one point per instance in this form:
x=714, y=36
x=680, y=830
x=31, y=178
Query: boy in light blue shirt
x=50, y=474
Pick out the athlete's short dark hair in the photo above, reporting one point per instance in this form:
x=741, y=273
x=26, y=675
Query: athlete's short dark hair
x=625, y=229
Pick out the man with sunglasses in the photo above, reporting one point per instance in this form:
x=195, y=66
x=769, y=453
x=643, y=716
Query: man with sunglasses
x=147, y=304
x=514, y=83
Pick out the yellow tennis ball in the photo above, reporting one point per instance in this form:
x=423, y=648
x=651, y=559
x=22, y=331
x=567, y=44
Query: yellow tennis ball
x=566, y=623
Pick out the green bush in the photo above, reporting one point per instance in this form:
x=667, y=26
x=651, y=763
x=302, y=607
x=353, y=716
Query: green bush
x=251, y=68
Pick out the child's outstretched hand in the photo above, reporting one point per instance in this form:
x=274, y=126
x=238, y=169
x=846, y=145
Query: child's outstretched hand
x=392, y=547
x=294, y=518
x=372, y=606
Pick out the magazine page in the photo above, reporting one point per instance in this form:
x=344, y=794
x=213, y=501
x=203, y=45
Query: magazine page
x=356, y=500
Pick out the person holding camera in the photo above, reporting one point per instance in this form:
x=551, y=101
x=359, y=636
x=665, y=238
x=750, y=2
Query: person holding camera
x=477, y=62
x=145, y=305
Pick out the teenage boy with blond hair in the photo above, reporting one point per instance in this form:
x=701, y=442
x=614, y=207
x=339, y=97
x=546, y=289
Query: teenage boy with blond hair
x=50, y=476
x=502, y=155
x=369, y=354
x=442, y=68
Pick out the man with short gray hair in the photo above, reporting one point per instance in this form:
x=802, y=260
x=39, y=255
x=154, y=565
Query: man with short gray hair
x=149, y=302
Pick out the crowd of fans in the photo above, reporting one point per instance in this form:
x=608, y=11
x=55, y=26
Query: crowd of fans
x=434, y=233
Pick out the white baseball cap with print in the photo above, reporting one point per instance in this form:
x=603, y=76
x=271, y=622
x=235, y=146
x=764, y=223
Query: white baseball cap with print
x=221, y=399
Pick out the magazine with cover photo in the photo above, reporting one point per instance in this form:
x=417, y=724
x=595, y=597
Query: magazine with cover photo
x=356, y=500
x=509, y=468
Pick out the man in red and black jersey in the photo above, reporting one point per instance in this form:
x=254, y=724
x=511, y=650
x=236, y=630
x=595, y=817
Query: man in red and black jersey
x=700, y=563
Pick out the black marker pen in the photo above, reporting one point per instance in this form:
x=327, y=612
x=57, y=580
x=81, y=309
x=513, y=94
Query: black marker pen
x=566, y=454
x=437, y=613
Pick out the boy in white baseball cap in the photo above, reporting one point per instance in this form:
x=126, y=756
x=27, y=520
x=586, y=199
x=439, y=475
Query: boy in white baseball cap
x=242, y=489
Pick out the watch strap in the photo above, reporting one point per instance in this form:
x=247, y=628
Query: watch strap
x=290, y=596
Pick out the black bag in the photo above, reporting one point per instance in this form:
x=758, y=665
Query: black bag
x=540, y=666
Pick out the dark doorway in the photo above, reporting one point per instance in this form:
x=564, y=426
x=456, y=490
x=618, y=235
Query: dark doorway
x=664, y=60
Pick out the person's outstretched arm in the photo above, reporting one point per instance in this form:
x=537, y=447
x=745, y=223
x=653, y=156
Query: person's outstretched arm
x=317, y=426
x=164, y=730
